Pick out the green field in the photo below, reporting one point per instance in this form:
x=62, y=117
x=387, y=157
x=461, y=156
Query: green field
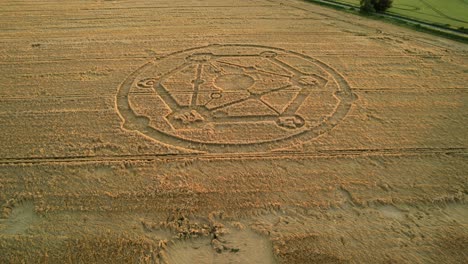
x=449, y=13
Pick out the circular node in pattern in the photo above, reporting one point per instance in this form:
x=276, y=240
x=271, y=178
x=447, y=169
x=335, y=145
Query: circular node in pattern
x=234, y=98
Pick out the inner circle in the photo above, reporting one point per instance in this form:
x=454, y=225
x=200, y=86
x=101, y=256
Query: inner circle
x=234, y=81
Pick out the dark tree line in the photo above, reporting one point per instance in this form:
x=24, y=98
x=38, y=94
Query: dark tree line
x=380, y=6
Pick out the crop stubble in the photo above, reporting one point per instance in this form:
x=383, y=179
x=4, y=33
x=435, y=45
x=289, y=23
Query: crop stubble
x=380, y=175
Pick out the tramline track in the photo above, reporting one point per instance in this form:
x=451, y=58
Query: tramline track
x=241, y=156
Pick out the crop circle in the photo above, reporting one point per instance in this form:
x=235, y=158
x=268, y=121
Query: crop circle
x=234, y=98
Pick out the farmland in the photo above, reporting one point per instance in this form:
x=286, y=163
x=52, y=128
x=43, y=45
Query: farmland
x=218, y=131
x=449, y=13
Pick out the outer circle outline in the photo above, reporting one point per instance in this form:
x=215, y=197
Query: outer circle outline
x=345, y=94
